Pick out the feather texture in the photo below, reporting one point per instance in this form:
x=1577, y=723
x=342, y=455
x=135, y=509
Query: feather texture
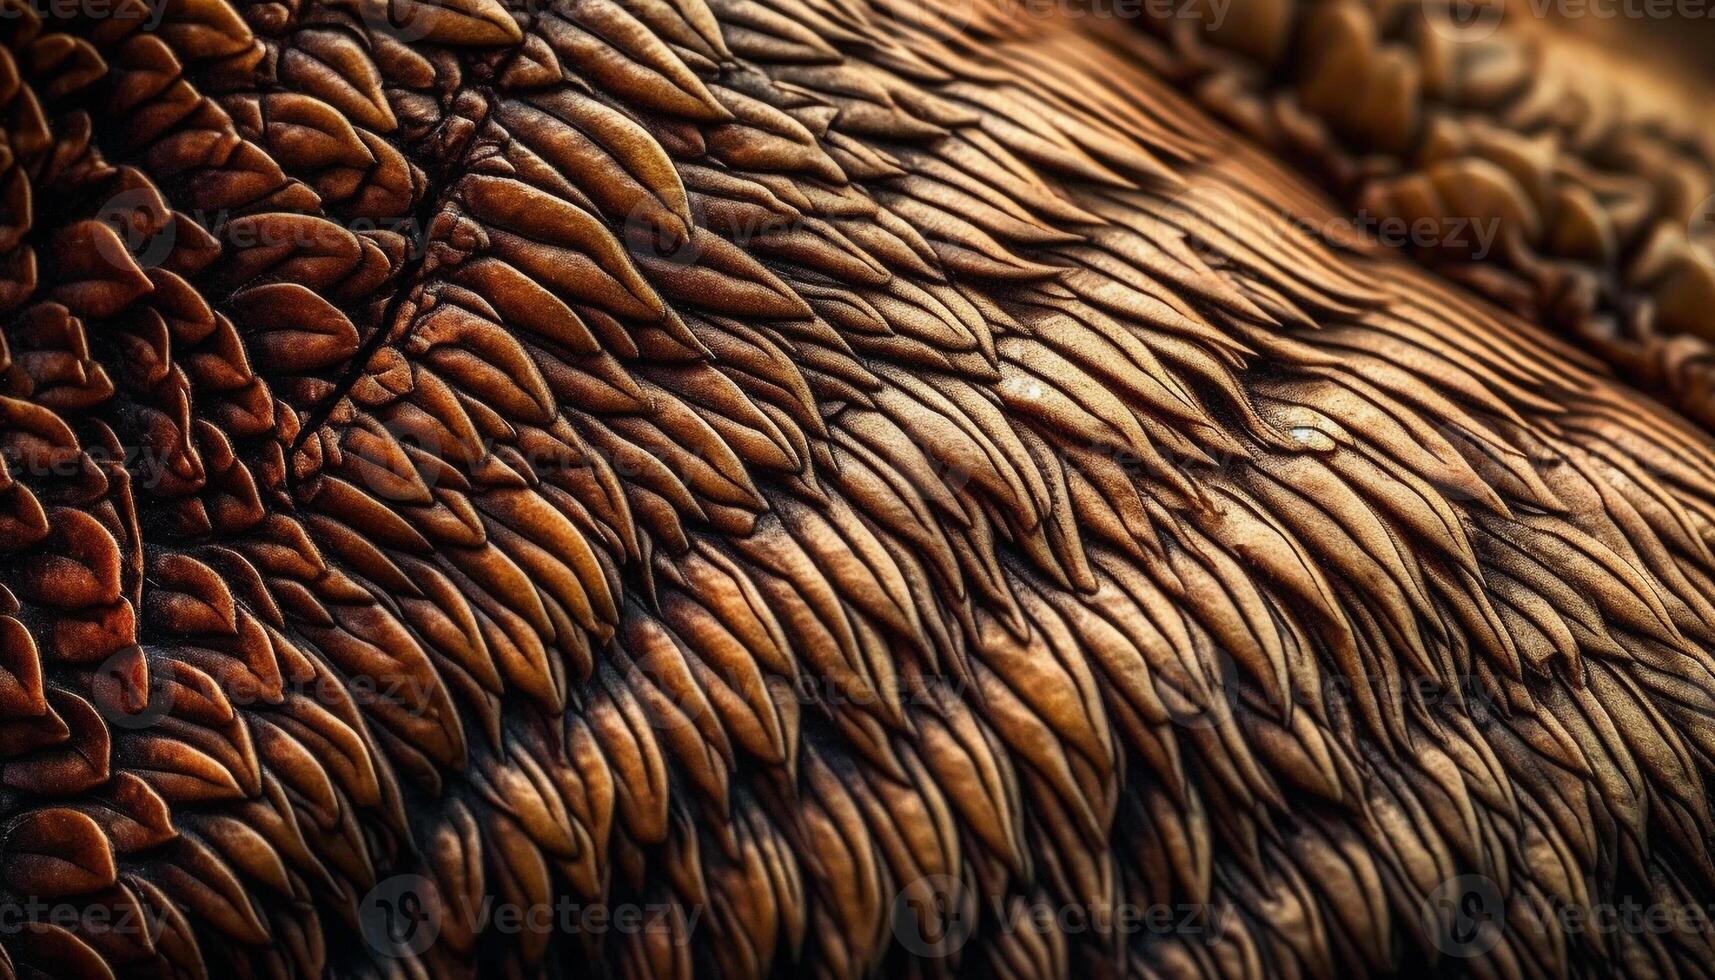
x=742, y=487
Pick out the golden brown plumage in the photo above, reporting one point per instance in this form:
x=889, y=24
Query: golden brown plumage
x=846, y=487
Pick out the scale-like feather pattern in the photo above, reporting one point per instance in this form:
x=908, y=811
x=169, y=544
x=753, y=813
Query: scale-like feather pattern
x=869, y=486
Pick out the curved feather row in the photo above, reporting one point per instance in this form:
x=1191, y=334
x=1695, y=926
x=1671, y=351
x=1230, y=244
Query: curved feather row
x=833, y=485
